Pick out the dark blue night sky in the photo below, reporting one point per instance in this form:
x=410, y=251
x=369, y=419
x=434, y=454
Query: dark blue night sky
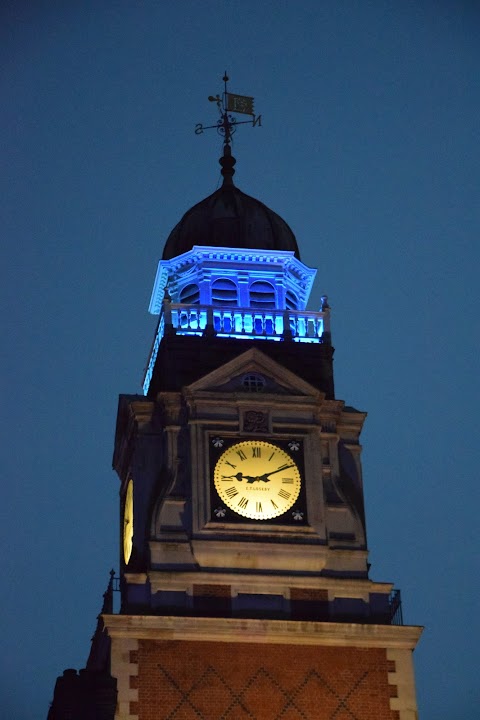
x=369, y=148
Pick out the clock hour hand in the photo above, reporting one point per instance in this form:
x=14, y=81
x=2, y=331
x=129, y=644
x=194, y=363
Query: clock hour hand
x=249, y=478
x=238, y=476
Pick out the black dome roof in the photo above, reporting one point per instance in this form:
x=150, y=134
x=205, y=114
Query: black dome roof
x=229, y=218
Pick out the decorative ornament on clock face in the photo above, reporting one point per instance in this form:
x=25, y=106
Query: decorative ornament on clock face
x=128, y=523
x=257, y=479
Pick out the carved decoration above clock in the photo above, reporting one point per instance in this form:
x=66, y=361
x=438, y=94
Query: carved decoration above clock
x=255, y=421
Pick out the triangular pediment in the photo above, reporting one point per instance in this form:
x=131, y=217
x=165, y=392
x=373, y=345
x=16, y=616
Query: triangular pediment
x=250, y=366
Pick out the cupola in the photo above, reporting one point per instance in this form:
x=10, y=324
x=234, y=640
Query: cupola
x=230, y=218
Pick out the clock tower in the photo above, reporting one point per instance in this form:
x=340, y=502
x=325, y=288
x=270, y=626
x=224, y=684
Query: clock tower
x=244, y=574
x=244, y=567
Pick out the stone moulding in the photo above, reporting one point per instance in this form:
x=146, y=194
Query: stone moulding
x=291, y=632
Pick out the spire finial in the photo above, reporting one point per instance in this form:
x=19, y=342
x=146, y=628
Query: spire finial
x=227, y=161
x=227, y=124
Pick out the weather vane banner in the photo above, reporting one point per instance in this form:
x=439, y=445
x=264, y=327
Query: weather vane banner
x=230, y=103
x=240, y=104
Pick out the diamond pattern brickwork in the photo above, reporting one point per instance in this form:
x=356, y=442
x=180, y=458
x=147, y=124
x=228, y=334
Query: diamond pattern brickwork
x=186, y=680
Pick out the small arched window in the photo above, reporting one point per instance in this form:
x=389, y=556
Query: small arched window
x=224, y=292
x=253, y=382
x=190, y=295
x=262, y=295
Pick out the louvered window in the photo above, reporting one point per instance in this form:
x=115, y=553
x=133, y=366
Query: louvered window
x=190, y=295
x=291, y=300
x=224, y=292
x=262, y=295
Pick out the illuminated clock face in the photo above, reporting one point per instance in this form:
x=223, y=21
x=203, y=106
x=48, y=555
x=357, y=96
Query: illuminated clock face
x=128, y=523
x=257, y=479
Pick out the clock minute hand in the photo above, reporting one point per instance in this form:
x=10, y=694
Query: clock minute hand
x=265, y=476
x=256, y=478
x=284, y=467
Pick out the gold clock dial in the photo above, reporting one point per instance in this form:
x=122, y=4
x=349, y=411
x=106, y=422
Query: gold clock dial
x=257, y=479
x=128, y=523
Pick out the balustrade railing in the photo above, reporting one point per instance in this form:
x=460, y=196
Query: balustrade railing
x=395, y=602
x=242, y=323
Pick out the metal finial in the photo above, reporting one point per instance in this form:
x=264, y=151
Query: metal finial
x=226, y=125
x=227, y=161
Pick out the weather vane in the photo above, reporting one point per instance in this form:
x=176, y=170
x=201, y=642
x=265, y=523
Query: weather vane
x=228, y=103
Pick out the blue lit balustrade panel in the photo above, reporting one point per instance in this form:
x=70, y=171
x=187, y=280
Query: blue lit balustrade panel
x=153, y=355
x=239, y=323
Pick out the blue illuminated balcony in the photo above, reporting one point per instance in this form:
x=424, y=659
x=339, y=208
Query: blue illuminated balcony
x=239, y=294
x=300, y=326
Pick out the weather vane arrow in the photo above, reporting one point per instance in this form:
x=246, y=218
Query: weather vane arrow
x=228, y=103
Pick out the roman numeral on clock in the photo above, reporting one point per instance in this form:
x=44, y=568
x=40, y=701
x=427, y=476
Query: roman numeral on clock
x=258, y=507
x=243, y=502
x=287, y=481
x=284, y=494
x=274, y=504
x=231, y=464
x=256, y=452
x=231, y=492
x=241, y=455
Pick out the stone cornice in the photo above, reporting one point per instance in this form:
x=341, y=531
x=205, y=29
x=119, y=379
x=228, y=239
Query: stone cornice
x=202, y=259
x=134, y=411
x=351, y=421
x=283, y=632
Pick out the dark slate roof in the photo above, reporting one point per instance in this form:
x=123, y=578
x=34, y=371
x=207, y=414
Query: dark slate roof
x=230, y=218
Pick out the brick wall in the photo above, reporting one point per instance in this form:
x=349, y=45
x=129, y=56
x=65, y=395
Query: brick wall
x=187, y=680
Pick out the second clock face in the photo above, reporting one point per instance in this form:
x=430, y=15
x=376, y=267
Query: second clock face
x=128, y=523
x=257, y=479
